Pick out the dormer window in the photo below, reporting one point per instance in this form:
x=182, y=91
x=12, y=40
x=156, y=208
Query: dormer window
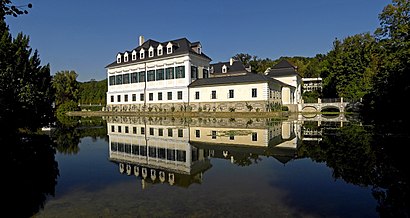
x=126, y=57
x=224, y=69
x=142, y=54
x=199, y=50
x=119, y=58
x=169, y=48
x=134, y=55
x=159, y=50
x=151, y=52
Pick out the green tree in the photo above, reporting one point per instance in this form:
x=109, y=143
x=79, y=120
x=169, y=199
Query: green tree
x=392, y=81
x=93, y=92
x=66, y=86
x=26, y=95
x=348, y=69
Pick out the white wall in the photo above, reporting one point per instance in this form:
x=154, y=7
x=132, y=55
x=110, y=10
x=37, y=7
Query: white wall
x=242, y=92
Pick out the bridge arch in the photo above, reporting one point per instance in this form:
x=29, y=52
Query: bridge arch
x=309, y=108
x=330, y=106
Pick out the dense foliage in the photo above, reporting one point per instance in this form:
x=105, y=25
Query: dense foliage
x=26, y=95
x=93, y=92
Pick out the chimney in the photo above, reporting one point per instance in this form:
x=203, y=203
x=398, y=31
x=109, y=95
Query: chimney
x=141, y=40
x=231, y=61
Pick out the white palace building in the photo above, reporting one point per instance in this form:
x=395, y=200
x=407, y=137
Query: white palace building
x=177, y=76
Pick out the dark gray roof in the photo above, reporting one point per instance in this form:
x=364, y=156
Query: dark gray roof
x=283, y=64
x=247, y=78
x=180, y=46
x=283, y=68
x=236, y=67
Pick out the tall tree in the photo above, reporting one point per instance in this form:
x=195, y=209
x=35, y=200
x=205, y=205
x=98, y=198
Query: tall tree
x=392, y=82
x=67, y=87
x=26, y=95
x=348, y=68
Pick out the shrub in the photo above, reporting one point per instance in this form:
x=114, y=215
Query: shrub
x=66, y=107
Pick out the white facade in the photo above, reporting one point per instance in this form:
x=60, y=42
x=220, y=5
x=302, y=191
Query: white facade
x=162, y=79
x=291, y=96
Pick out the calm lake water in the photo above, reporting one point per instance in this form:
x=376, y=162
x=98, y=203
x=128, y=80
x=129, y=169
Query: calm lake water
x=206, y=167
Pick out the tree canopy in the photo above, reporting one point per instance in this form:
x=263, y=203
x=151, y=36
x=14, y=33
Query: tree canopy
x=26, y=95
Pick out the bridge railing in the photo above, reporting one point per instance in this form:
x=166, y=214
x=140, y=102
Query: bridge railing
x=330, y=100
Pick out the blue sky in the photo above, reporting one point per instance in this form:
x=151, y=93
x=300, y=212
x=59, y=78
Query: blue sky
x=85, y=36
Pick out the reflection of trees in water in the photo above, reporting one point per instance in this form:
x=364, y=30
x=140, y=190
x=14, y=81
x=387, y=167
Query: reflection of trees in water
x=69, y=130
x=30, y=174
x=361, y=157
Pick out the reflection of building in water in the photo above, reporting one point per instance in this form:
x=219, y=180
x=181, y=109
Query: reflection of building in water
x=177, y=152
x=239, y=141
x=156, y=153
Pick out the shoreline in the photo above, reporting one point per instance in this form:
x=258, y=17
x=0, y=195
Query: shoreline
x=277, y=114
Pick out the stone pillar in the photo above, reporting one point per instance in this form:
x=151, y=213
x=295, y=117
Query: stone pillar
x=319, y=101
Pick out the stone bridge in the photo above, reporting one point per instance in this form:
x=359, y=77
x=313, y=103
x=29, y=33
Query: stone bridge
x=326, y=103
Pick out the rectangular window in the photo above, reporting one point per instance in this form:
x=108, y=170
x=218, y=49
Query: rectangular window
x=112, y=80
x=160, y=74
x=171, y=154
x=254, y=136
x=170, y=132
x=135, y=150
x=141, y=76
x=169, y=95
x=169, y=73
x=150, y=75
x=179, y=94
x=126, y=78
x=134, y=130
x=112, y=98
x=142, y=130
x=160, y=132
x=254, y=93
x=232, y=137
x=151, y=131
x=134, y=77
x=112, y=128
x=119, y=129
x=180, y=133
x=159, y=96
x=197, y=95
x=126, y=129
x=152, y=152
x=205, y=73
x=118, y=98
x=142, y=97
x=151, y=96
x=213, y=133
x=194, y=72
x=134, y=97
x=118, y=79
x=213, y=95
x=161, y=153
x=230, y=93
x=151, y=54
x=180, y=72
x=181, y=155
x=126, y=98
x=198, y=133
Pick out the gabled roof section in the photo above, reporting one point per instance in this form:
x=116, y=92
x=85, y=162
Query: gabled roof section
x=228, y=80
x=284, y=64
x=180, y=46
x=283, y=68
